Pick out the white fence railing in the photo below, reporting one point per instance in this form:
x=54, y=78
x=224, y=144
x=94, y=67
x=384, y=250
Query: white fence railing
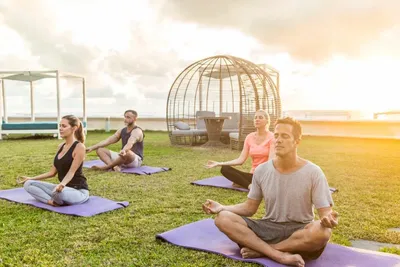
x=313, y=127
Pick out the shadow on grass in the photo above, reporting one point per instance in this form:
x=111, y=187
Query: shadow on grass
x=28, y=137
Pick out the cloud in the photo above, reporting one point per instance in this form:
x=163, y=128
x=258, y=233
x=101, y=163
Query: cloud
x=95, y=93
x=39, y=32
x=45, y=43
x=131, y=53
x=308, y=30
x=155, y=87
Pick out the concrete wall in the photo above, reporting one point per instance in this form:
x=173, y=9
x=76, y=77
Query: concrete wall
x=102, y=123
x=342, y=128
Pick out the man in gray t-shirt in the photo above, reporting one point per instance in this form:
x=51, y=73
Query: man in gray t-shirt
x=290, y=197
x=291, y=188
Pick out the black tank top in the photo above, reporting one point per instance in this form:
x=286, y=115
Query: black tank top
x=137, y=147
x=64, y=164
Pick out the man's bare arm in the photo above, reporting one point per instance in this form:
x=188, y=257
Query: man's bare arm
x=110, y=140
x=248, y=208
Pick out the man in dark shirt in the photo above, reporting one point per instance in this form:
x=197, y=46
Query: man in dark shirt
x=131, y=154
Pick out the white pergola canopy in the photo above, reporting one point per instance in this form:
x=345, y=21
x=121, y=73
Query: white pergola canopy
x=31, y=77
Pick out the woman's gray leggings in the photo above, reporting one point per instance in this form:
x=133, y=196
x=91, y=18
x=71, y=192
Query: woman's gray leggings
x=44, y=191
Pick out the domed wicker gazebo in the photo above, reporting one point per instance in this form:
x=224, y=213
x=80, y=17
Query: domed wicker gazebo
x=221, y=86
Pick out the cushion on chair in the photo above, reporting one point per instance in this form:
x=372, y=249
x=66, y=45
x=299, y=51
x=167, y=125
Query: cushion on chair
x=182, y=133
x=180, y=125
x=234, y=135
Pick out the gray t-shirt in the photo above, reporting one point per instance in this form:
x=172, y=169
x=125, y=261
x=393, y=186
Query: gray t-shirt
x=290, y=197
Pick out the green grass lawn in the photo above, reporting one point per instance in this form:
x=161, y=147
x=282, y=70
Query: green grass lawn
x=366, y=172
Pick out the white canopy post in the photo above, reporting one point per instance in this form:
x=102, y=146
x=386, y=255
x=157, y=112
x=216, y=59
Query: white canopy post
x=58, y=103
x=84, y=100
x=3, y=93
x=1, y=101
x=32, y=103
x=1, y=108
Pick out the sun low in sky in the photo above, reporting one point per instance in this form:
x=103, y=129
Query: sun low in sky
x=330, y=54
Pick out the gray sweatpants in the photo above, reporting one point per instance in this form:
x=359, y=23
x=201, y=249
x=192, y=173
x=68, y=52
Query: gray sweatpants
x=43, y=192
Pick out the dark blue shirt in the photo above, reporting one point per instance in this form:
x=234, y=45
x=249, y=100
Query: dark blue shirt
x=137, y=147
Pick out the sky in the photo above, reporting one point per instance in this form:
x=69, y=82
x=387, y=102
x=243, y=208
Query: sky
x=331, y=55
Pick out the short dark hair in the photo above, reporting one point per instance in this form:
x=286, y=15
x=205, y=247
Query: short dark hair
x=131, y=111
x=296, y=126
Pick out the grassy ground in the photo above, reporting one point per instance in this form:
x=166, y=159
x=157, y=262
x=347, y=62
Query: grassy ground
x=367, y=173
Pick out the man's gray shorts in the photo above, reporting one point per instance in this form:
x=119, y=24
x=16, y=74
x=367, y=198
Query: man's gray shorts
x=137, y=162
x=272, y=233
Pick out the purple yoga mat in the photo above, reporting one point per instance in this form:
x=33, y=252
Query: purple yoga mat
x=222, y=182
x=204, y=235
x=147, y=170
x=219, y=181
x=95, y=205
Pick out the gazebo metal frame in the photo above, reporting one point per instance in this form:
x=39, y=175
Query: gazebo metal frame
x=221, y=85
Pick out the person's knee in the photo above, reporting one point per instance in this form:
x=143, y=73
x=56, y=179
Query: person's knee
x=100, y=150
x=129, y=157
x=27, y=184
x=224, y=219
x=318, y=235
x=225, y=169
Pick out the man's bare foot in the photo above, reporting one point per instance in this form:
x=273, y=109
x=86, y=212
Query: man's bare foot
x=286, y=258
x=117, y=168
x=95, y=167
x=291, y=259
x=52, y=203
x=248, y=253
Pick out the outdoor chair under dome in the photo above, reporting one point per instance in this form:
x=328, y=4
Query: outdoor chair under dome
x=222, y=86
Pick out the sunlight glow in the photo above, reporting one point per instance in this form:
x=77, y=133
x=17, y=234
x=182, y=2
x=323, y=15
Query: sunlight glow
x=369, y=84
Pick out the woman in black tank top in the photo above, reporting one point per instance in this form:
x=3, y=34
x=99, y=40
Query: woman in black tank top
x=73, y=187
